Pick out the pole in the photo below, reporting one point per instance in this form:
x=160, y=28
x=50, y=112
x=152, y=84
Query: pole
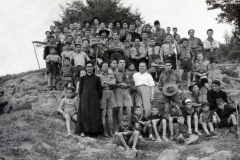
x=38, y=61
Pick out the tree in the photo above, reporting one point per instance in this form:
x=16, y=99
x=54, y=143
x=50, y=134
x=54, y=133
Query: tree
x=230, y=11
x=106, y=10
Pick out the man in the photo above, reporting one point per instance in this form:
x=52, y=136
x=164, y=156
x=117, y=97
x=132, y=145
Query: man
x=170, y=50
x=211, y=47
x=214, y=94
x=132, y=28
x=168, y=30
x=139, y=27
x=194, y=42
x=186, y=58
x=148, y=30
x=168, y=76
x=175, y=32
x=124, y=30
x=144, y=42
x=138, y=53
x=122, y=94
x=115, y=47
x=159, y=33
x=108, y=101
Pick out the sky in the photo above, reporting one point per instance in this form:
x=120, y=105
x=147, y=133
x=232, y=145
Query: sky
x=24, y=21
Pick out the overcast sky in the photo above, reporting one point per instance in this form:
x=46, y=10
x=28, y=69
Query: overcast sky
x=23, y=21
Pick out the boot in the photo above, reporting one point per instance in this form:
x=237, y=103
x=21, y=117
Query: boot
x=105, y=134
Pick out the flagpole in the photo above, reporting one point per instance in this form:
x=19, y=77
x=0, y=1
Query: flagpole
x=38, y=61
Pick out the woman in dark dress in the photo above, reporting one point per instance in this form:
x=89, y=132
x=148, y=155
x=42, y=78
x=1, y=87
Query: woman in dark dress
x=89, y=112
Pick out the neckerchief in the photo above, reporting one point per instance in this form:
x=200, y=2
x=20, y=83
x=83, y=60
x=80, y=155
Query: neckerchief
x=125, y=128
x=139, y=118
x=210, y=40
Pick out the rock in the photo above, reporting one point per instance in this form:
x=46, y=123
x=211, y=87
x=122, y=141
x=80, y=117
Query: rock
x=26, y=86
x=42, y=148
x=130, y=154
x=169, y=154
x=207, y=150
x=120, y=149
x=110, y=146
x=192, y=158
x=17, y=104
x=19, y=94
x=222, y=155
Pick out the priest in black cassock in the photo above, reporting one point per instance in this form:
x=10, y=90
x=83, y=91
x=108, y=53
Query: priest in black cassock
x=89, y=111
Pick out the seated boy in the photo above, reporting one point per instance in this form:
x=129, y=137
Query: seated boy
x=126, y=134
x=225, y=115
x=157, y=123
x=182, y=134
x=67, y=72
x=201, y=70
x=68, y=108
x=191, y=115
x=172, y=117
x=140, y=122
x=157, y=66
x=206, y=119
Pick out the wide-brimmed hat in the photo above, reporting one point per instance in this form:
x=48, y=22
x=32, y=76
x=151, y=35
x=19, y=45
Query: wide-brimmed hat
x=170, y=89
x=104, y=30
x=193, y=84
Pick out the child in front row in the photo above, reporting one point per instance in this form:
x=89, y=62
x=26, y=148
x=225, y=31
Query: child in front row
x=126, y=134
x=67, y=74
x=191, y=115
x=182, y=134
x=157, y=123
x=140, y=122
x=206, y=119
x=68, y=108
x=172, y=117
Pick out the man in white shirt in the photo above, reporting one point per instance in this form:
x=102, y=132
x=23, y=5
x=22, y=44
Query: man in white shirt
x=145, y=89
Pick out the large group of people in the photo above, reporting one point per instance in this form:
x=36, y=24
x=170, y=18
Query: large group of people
x=117, y=65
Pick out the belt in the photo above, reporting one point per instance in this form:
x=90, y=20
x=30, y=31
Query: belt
x=143, y=85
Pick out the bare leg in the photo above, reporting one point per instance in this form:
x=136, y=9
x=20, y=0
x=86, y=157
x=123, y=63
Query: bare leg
x=68, y=120
x=122, y=140
x=164, y=123
x=210, y=125
x=49, y=79
x=188, y=78
x=191, y=139
x=206, y=85
x=196, y=122
x=166, y=110
x=129, y=114
x=110, y=121
x=54, y=80
x=171, y=127
x=204, y=125
x=74, y=117
x=189, y=124
x=120, y=114
x=154, y=126
x=180, y=73
x=105, y=134
x=134, y=139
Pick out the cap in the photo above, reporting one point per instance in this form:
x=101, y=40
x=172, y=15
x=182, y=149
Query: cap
x=125, y=118
x=188, y=100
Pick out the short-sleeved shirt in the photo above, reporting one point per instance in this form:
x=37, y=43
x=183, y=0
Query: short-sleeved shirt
x=152, y=50
x=79, y=58
x=67, y=71
x=167, y=77
x=108, y=77
x=137, y=52
x=143, y=79
x=201, y=66
x=185, y=53
x=194, y=42
x=206, y=116
x=188, y=112
x=54, y=58
x=136, y=118
x=67, y=54
x=123, y=76
x=168, y=50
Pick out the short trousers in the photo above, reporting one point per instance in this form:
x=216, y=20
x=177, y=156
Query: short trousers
x=52, y=68
x=66, y=81
x=108, y=100
x=224, y=123
x=122, y=97
x=167, y=99
x=202, y=81
x=71, y=112
x=77, y=70
x=211, y=56
x=186, y=65
x=174, y=120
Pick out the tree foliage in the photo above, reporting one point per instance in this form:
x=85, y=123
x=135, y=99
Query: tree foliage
x=106, y=10
x=230, y=11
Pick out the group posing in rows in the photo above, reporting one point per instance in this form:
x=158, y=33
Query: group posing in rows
x=118, y=66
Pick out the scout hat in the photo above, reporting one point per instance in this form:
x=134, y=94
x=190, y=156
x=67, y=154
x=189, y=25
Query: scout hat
x=169, y=89
x=104, y=30
x=193, y=84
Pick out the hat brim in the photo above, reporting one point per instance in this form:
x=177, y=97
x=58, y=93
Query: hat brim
x=104, y=30
x=198, y=84
x=164, y=90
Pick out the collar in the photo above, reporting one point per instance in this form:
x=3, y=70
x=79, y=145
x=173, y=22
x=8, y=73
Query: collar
x=120, y=70
x=167, y=72
x=138, y=117
x=89, y=74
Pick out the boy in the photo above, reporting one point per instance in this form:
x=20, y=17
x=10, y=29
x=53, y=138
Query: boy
x=126, y=134
x=206, y=119
x=113, y=66
x=172, y=117
x=194, y=42
x=83, y=72
x=191, y=115
x=68, y=108
x=132, y=68
x=67, y=73
x=225, y=115
x=141, y=123
x=108, y=101
x=186, y=58
x=157, y=123
x=159, y=33
x=157, y=66
x=67, y=51
x=182, y=135
x=201, y=70
x=152, y=50
x=52, y=62
x=78, y=60
x=175, y=32
x=85, y=47
x=127, y=52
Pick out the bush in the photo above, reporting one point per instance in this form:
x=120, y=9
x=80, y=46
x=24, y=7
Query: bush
x=230, y=71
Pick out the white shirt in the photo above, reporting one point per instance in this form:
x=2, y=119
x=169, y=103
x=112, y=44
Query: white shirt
x=143, y=79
